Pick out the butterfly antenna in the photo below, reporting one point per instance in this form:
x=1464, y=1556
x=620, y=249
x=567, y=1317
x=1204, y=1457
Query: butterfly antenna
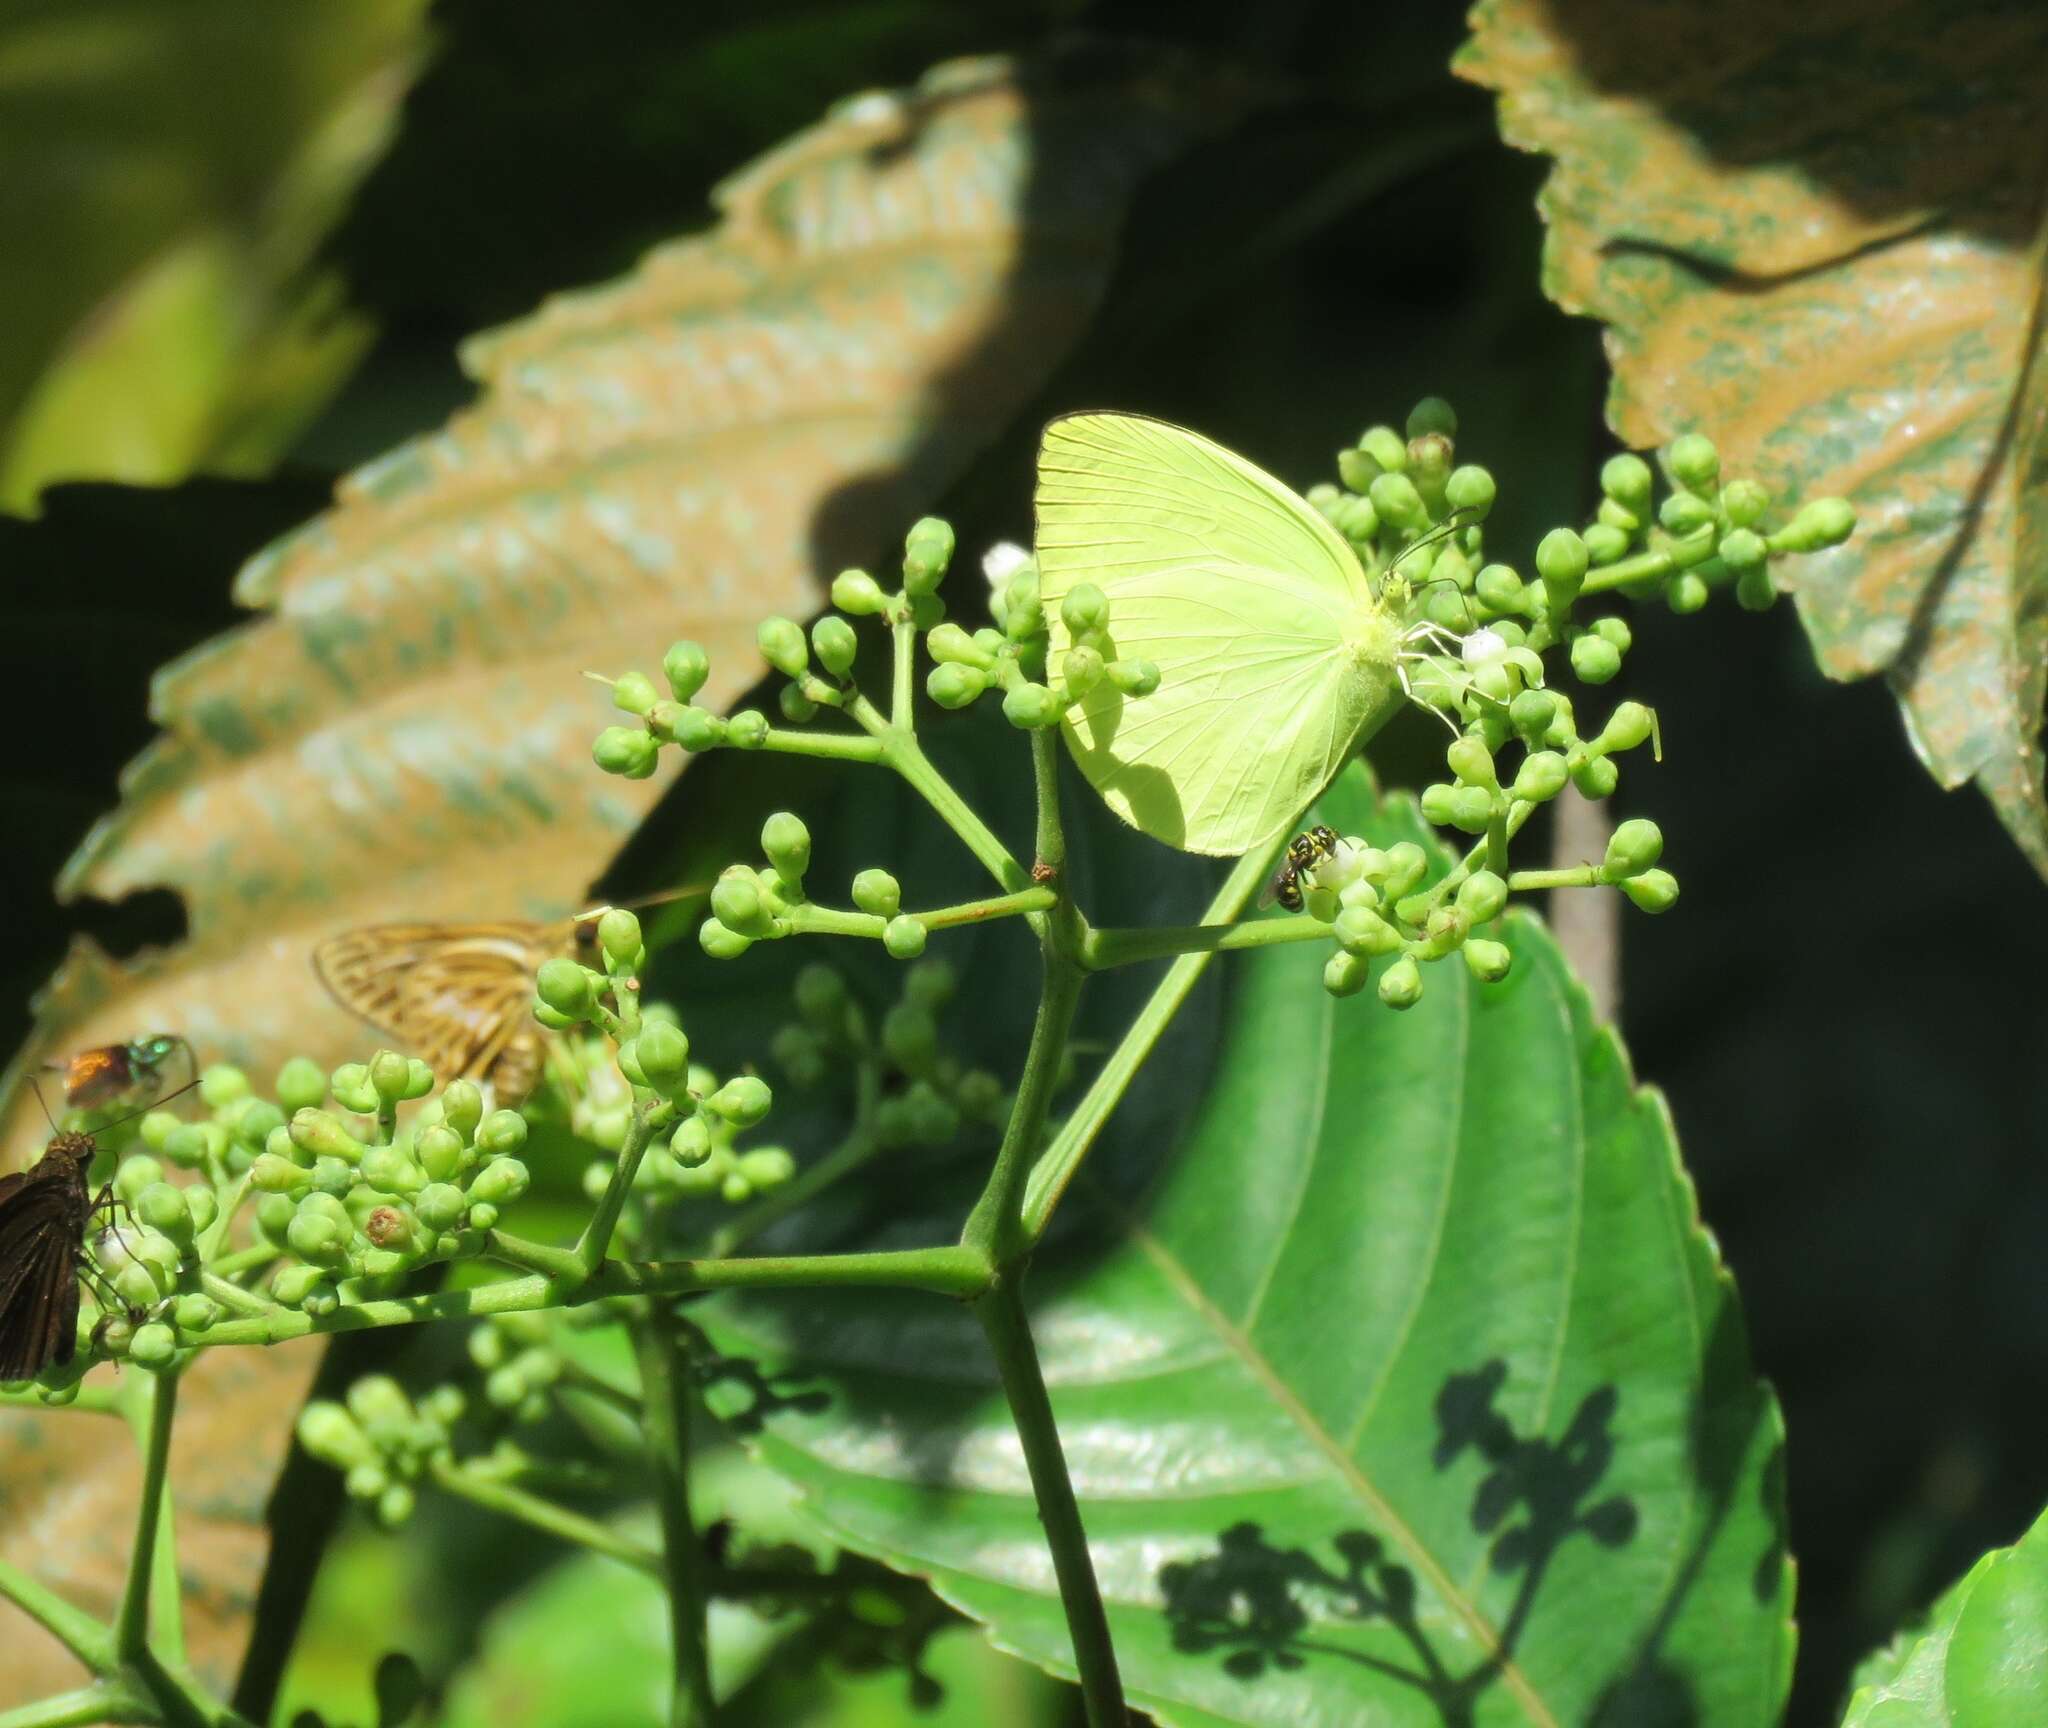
x=154, y=1103
x=43, y=1102
x=1470, y=622
x=1448, y=526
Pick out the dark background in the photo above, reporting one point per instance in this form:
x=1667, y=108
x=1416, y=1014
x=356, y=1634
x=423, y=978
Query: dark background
x=1844, y=1010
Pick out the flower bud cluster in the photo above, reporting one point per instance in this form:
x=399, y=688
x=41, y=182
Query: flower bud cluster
x=750, y=905
x=382, y=1441
x=924, y=1094
x=1012, y=656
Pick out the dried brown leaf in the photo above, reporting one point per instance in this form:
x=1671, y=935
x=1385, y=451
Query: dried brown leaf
x=1816, y=233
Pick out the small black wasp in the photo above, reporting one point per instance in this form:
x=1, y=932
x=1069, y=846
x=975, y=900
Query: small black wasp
x=1304, y=853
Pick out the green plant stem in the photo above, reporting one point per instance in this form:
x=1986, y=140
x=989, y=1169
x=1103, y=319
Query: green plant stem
x=131, y=1623
x=829, y=746
x=900, y=750
x=666, y=1394
x=510, y=1501
x=91, y=1401
x=842, y=1161
x=902, y=711
x=88, y=1640
x=596, y=1239
x=1001, y=1313
x=1531, y=881
x=244, y=1260
x=1051, y=843
x=806, y=919
x=942, y=1271
x=104, y=1701
x=1416, y=908
x=231, y=1295
x=1694, y=550
x=559, y=1263
x=1060, y=1161
x=1103, y=949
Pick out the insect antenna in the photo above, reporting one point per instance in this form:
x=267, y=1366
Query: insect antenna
x=1448, y=526
x=42, y=1103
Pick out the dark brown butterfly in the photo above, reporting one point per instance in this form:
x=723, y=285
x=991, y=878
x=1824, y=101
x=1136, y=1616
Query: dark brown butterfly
x=44, y=1211
x=459, y=996
x=108, y=1073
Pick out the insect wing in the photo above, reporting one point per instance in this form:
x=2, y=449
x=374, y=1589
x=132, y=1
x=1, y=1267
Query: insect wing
x=42, y=1221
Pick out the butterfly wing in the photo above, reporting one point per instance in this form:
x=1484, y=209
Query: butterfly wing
x=1276, y=660
x=457, y=996
x=41, y=1220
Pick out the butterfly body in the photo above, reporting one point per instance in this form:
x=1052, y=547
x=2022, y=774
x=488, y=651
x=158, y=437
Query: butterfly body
x=44, y=1211
x=114, y=1073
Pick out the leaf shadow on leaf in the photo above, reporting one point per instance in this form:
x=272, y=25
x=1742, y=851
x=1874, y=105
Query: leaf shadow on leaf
x=1260, y=1605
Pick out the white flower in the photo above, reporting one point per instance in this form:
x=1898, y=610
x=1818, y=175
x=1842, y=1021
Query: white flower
x=1002, y=561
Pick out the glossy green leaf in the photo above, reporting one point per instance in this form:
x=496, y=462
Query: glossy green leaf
x=1404, y=1387
x=1980, y=1661
x=1816, y=234
x=172, y=171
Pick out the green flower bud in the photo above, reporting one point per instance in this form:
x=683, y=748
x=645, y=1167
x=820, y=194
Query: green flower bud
x=1685, y=593
x=546, y=1016
x=1824, y=522
x=1605, y=543
x=135, y=1174
x=698, y=729
x=1626, y=727
x=440, y=1206
x=501, y=1131
x=691, y=1142
x=320, y=1134
x=196, y=1313
x=1683, y=514
x=271, y=1174
x=1134, y=677
x=566, y=987
x=1499, y=588
x=930, y=983
x=274, y=1214
x=1743, y=549
x=910, y=1035
x=300, y=1084
x=798, y=1052
x=330, y=1433
x=1030, y=707
x=1632, y=848
x=294, y=1285
x=787, y=843
x=390, y=1171
x=1694, y=463
x=954, y=686
x=1470, y=488
x=1541, y=777
x=1357, y=470
x=318, y=1239
x=1432, y=415
x=1345, y=974
x=857, y=593
x=1081, y=671
x=1531, y=712
x=1356, y=519
x=1653, y=890
x=390, y=1076
x=1618, y=517
x=1359, y=931
x=797, y=708
x=980, y=1096
x=1386, y=447
x=1469, y=809
x=927, y=551
x=634, y=693
x=782, y=645
x=1561, y=560
x=664, y=1055
x=158, y=1125
x=685, y=666
x=1755, y=591
x=835, y=644
x=1085, y=608
x=1406, y=866
x=154, y=1345
x=878, y=893
x=618, y=939
x=766, y=1167
x=462, y=1106
x=747, y=730
x=720, y=942
x=200, y=1207
x=819, y=992
x=1595, y=660
x=1396, y=500
x=191, y=1145
x=221, y=1085
x=395, y=1505
x=352, y=1090
x=1401, y=983
x=1489, y=962
x=1614, y=631
x=500, y=1182
x=1481, y=896
x=629, y=751
x=1627, y=480
x=389, y=1229
x=1595, y=777
x=742, y=1100
x=951, y=645
x=904, y=937
x=1472, y=763
x=1744, y=502
x=162, y=1207
x=250, y=1121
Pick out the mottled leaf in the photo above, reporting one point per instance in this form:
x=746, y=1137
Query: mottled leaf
x=676, y=453
x=70, y=1483
x=171, y=173
x=1815, y=233
x=1407, y=1390
x=1980, y=1661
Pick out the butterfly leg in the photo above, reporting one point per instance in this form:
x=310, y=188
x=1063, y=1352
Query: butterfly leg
x=1403, y=659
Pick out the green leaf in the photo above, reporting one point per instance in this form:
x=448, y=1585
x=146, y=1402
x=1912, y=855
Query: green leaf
x=1817, y=236
x=1981, y=1660
x=1403, y=1387
x=711, y=437
x=173, y=171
